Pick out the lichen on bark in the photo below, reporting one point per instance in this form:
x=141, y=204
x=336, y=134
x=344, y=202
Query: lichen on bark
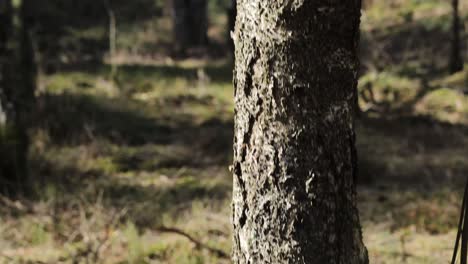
x=294, y=197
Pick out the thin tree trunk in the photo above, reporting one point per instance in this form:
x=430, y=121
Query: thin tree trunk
x=294, y=196
x=112, y=39
x=456, y=61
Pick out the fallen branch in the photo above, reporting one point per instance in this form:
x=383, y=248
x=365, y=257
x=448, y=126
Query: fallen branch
x=198, y=244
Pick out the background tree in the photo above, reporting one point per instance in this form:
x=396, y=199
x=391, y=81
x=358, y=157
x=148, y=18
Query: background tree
x=5, y=21
x=7, y=150
x=190, y=23
x=294, y=198
x=18, y=85
x=232, y=13
x=456, y=60
x=112, y=38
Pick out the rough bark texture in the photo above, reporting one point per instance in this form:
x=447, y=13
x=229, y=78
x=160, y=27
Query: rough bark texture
x=294, y=197
x=190, y=23
x=456, y=61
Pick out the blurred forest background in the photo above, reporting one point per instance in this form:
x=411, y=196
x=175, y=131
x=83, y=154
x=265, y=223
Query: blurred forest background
x=116, y=130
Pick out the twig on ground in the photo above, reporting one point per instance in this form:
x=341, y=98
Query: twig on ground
x=198, y=244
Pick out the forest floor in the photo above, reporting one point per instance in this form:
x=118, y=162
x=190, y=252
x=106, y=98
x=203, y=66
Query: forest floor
x=135, y=170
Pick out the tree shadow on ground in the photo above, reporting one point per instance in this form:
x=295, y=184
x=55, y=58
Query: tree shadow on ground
x=70, y=119
x=217, y=74
x=402, y=161
x=412, y=149
x=412, y=170
x=147, y=203
x=416, y=48
x=149, y=163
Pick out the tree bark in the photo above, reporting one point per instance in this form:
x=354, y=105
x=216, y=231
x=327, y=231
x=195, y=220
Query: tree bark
x=456, y=61
x=294, y=195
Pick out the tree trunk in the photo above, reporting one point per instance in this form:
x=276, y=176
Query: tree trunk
x=25, y=97
x=190, y=23
x=198, y=22
x=179, y=18
x=18, y=85
x=112, y=39
x=456, y=61
x=7, y=137
x=294, y=196
x=232, y=13
x=5, y=30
